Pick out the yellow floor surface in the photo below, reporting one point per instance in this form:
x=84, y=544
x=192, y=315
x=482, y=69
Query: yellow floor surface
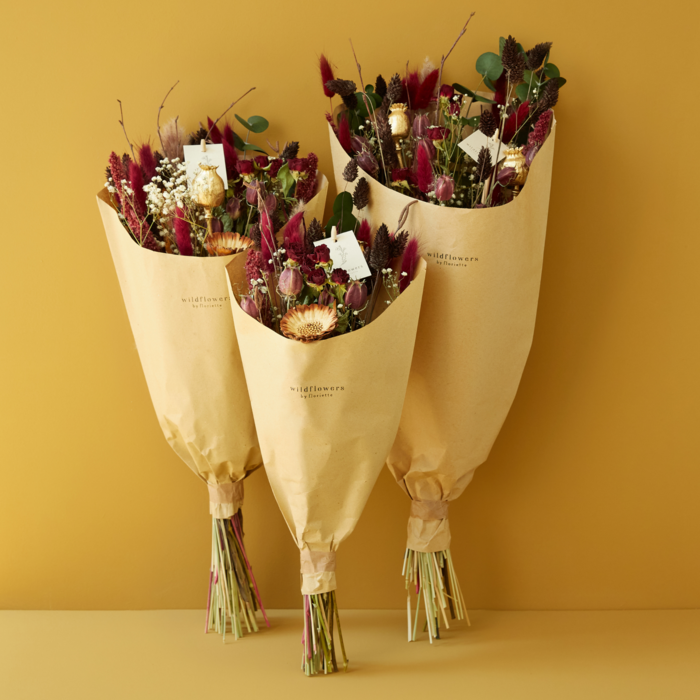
x=503, y=655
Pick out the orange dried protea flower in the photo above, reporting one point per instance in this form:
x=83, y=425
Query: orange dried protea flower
x=227, y=243
x=308, y=323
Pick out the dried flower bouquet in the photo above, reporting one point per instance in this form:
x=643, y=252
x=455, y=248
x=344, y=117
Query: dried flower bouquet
x=177, y=304
x=326, y=360
x=484, y=247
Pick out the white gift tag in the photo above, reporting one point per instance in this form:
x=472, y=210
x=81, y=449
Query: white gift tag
x=473, y=144
x=214, y=155
x=346, y=253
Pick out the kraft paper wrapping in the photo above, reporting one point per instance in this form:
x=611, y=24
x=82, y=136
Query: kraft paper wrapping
x=474, y=336
x=326, y=414
x=178, y=308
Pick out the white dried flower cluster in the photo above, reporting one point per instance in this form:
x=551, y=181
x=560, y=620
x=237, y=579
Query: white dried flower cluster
x=167, y=191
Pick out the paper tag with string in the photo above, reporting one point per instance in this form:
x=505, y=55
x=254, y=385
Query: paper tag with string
x=346, y=253
x=473, y=144
x=213, y=155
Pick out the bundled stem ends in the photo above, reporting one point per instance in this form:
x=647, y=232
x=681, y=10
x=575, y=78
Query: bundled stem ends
x=319, y=654
x=233, y=591
x=433, y=575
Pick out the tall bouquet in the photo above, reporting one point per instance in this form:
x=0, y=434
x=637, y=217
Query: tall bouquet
x=480, y=209
x=326, y=360
x=171, y=235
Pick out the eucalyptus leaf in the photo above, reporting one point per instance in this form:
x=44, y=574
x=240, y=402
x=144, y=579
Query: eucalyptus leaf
x=521, y=92
x=227, y=222
x=562, y=81
x=243, y=121
x=286, y=179
x=489, y=85
x=551, y=71
x=501, y=44
x=472, y=121
x=253, y=147
x=258, y=124
x=489, y=65
x=238, y=141
x=528, y=77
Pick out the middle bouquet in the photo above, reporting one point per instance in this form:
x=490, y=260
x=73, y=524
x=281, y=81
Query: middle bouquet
x=326, y=359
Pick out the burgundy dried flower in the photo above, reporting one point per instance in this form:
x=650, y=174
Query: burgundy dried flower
x=321, y=256
x=214, y=133
x=426, y=91
x=444, y=188
x=447, y=91
x=340, y=276
x=408, y=264
x=254, y=266
x=344, y=134
x=537, y=136
x=233, y=207
x=244, y=167
x=424, y=171
x=216, y=225
x=147, y=162
x=428, y=146
x=316, y=278
x=293, y=230
x=364, y=234
x=261, y=161
x=356, y=296
x=412, y=85
x=326, y=76
x=182, y=233
x=252, y=190
x=515, y=121
x=438, y=133
x=229, y=135
x=326, y=298
x=275, y=165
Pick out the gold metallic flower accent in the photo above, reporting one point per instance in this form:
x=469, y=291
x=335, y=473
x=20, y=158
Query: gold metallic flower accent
x=400, y=127
x=516, y=160
x=308, y=323
x=227, y=243
x=208, y=188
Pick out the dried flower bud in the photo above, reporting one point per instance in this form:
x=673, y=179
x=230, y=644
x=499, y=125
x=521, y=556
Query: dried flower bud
x=322, y=255
x=216, y=225
x=271, y=202
x=342, y=87
x=340, y=276
x=420, y=125
x=537, y=54
x=244, y=167
x=380, y=86
x=447, y=92
x=316, y=278
x=438, y=133
x=251, y=192
x=444, y=188
x=367, y=162
x=291, y=282
x=250, y=307
x=233, y=207
x=513, y=61
x=315, y=231
x=326, y=298
x=488, y=123
x=356, y=296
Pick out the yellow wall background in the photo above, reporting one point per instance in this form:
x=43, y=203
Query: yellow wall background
x=590, y=496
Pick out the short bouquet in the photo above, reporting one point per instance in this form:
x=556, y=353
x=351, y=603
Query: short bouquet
x=326, y=359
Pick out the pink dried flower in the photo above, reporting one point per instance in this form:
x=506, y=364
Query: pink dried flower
x=438, y=133
x=322, y=255
x=291, y=282
x=326, y=298
x=233, y=207
x=444, y=188
x=254, y=266
x=244, y=167
x=250, y=307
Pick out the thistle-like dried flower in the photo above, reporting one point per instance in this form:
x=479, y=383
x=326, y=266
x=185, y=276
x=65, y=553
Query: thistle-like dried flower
x=196, y=137
x=315, y=231
x=255, y=233
x=350, y=171
x=539, y=133
x=344, y=133
x=227, y=243
x=488, y=123
x=364, y=235
x=397, y=244
x=380, y=86
x=250, y=307
x=350, y=101
x=290, y=282
x=549, y=98
x=537, y=54
x=444, y=188
x=360, y=197
x=344, y=88
x=484, y=166
x=379, y=257
x=309, y=323
x=291, y=150
x=394, y=90
x=513, y=61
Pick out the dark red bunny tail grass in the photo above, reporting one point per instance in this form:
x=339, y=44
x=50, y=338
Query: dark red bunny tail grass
x=408, y=264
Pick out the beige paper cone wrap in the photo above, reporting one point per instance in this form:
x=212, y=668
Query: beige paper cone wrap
x=178, y=308
x=326, y=415
x=475, y=332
